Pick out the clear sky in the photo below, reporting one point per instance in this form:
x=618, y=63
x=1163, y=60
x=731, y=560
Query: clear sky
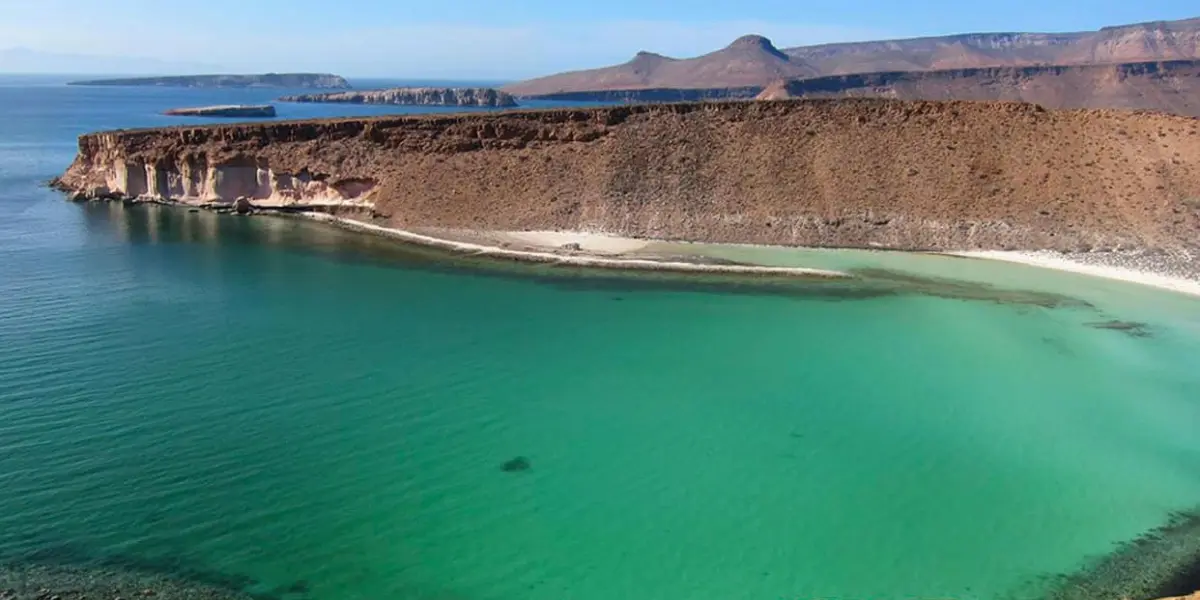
x=507, y=39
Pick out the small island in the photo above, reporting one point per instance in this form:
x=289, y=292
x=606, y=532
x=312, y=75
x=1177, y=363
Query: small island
x=228, y=110
x=419, y=96
x=267, y=80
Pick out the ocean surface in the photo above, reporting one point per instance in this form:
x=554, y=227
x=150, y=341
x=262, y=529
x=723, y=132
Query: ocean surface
x=304, y=412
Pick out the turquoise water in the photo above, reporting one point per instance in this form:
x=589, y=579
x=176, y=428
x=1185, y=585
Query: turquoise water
x=279, y=402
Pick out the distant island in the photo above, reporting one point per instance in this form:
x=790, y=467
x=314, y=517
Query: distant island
x=229, y=110
x=267, y=80
x=420, y=96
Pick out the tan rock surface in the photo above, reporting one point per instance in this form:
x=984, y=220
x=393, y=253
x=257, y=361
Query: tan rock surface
x=1165, y=86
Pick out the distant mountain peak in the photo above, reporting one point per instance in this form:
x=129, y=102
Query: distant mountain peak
x=756, y=42
x=644, y=56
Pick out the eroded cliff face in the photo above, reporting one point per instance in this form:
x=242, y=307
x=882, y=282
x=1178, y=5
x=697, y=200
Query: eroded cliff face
x=423, y=96
x=855, y=172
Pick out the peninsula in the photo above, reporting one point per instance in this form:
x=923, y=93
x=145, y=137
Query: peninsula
x=943, y=176
x=418, y=96
x=231, y=110
x=268, y=80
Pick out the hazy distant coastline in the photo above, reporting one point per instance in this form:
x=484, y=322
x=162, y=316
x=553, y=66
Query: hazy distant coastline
x=271, y=80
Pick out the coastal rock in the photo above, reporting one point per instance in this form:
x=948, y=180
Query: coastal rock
x=420, y=96
x=243, y=206
x=851, y=173
x=269, y=80
x=229, y=110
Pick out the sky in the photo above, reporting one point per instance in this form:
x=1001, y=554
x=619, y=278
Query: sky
x=492, y=40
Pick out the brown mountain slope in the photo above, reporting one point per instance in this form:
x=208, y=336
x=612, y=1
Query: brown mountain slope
x=850, y=172
x=1164, y=86
x=749, y=60
x=1143, y=42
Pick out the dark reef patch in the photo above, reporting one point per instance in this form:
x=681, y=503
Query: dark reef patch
x=1162, y=563
x=516, y=465
x=72, y=571
x=1131, y=328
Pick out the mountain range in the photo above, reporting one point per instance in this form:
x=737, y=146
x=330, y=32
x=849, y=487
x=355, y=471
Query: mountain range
x=753, y=60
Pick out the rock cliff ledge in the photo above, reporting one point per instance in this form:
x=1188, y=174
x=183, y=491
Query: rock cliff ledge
x=855, y=172
x=414, y=96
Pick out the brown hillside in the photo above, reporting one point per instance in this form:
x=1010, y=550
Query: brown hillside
x=1165, y=86
x=857, y=172
x=749, y=60
x=1143, y=42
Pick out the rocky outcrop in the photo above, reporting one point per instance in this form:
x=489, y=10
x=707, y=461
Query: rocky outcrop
x=753, y=61
x=271, y=80
x=1172, y=86
x=421, y=96
x=855, y=172
x=230, y=110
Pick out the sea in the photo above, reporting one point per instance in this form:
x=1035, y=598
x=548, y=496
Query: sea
x=296, y=411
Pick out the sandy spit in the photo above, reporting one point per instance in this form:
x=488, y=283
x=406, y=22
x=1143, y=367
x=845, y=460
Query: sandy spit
x=1073, y=264
x=598, y=251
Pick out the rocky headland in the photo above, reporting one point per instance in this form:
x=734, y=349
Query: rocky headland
x=231, y=110
x=420, y=96
x=850, y=173
x=269, y=80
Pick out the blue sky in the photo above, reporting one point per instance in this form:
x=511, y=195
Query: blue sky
x=498, y=39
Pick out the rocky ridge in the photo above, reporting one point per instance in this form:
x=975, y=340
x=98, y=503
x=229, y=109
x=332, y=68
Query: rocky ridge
x=421, y=96
x=855, y=172
x=1172, y=86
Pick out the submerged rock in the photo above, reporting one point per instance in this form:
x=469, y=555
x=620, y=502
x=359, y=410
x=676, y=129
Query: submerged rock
x=514, y=465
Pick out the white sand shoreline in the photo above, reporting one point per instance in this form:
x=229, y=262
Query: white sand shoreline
x=1064, y=262
x=601, y=251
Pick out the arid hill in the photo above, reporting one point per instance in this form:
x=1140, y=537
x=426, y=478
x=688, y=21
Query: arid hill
x=749, y=61
x=1165, y=86
x=740, y=65
x=850, y=172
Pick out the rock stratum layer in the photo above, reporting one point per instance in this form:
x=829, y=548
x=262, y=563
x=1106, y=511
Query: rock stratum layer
x=754, y=61
x=424, y=96
x=855, y=172
x=1172, y=86
x=273, y=80
x=231, y=110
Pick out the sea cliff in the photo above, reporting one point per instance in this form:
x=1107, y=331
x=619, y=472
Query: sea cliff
x=414, y=96
x=853, y=172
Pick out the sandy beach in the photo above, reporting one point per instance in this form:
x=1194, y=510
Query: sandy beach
x=567, y=248
x=1087, y=264
x=598, y=250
